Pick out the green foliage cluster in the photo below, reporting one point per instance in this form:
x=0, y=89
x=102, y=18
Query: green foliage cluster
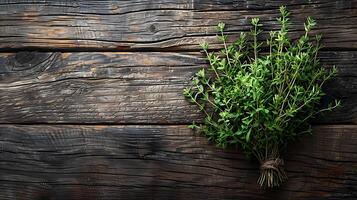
x=260, y=100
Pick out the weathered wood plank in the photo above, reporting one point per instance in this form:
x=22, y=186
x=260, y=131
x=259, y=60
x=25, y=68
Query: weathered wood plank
x=162, y=24
x=96, y=87
x=164, y=162
x=126, y=87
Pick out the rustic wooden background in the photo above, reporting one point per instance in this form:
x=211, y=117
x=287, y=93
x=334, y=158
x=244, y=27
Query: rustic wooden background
x=92, y=105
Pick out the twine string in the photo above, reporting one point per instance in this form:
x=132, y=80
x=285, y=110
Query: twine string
x=273, y=164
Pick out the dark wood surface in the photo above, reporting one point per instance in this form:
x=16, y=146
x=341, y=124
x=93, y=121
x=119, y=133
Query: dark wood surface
x=91, y=103
x=164, y=162
x=160, y=24
x=128, y=87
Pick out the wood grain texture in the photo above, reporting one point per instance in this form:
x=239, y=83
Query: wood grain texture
x=140, y=88
x=96, y=87
x=164, y=162
x=160, y=24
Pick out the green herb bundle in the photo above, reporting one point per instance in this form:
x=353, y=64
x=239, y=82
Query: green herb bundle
x=261, y=101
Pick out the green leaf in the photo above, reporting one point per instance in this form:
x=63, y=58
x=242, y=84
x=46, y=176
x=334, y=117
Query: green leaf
x=193, y=126
x=254, y=21
x=204, y=45
x=187, y=92
x=247, y=137
x=201, y=73
x=220, y=27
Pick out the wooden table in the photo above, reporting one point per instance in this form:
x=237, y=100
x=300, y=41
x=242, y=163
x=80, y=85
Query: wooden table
x=91, y=103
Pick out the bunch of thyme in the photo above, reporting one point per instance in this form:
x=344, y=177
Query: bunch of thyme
x=261, y=101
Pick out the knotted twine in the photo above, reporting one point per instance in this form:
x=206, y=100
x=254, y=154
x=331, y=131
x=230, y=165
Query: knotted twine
x=273, y=164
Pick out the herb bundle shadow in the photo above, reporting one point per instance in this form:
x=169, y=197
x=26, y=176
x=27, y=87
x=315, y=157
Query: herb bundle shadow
x=261, y=101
